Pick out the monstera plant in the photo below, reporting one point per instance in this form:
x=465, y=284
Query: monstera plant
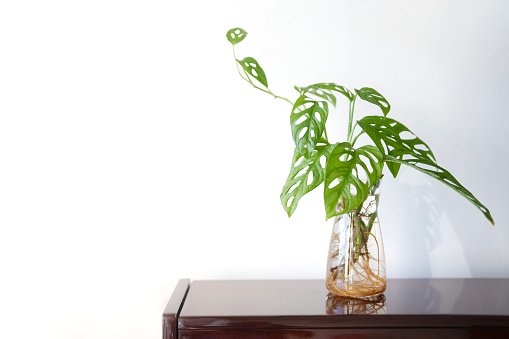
x=348, y=170
x=351, y=173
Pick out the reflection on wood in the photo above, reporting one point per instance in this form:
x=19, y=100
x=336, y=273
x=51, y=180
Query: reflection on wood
x=348, y=305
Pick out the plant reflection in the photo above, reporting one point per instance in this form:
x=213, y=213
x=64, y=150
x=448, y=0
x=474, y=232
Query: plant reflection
x=345, y=305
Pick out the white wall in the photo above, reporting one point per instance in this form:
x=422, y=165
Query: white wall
x=132, y=154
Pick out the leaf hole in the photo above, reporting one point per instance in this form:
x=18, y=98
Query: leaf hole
x=385, y=147
x=450, y=182
x=408, y=157
x=345, y=158
x=298, y=162
x=353, y=189
x=365, y=160
x=317, y=117
x=406, y=135
x=301, y=119
x=361, y=171
x=237, y=31
x=289, y=202
x=421, y=147
x=310, y=178
x=333, y=183
x=428, y=167
x=306, y=105
x=302, y=172
x=323, y=161
x=303, y=132
x=293, y=187
x=254, y=73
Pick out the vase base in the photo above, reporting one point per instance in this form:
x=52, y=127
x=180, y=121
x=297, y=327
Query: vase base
x=358, y=290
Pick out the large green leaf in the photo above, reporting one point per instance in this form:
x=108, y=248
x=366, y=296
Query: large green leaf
x=441, y=174
x=372, y=96
x=308, y=123
x=344, y=190
x=390, y=135
x=326, y=91
x=252, y=68
x=236, y=35
x=305, y=175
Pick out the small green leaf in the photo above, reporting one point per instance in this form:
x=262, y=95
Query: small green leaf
x=344, y=190
x=252, y=67
x=389, y=135
x=236, y=35
x=372, y=96
x=307, y=121
x=305, y=175
x=325, y=91
x=441, y=174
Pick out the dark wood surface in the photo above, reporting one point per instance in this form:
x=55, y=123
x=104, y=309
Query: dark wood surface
x=413, y=308
x=171, y=312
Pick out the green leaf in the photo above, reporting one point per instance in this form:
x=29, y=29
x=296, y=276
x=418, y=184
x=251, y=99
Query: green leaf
x=372, y=96
x=307, y=121
x=252, y=67
x=236, y=35
x=344, y=190
x=441, y=174
x=393, y=168
x=325, y=91
x=390, y=135
x=305, y=175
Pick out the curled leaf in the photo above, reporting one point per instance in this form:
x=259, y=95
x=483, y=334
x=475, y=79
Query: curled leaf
x=236, y=35
x=372, y=96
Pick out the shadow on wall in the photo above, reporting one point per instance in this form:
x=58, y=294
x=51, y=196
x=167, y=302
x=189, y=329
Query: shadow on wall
x=413, y=229
x=431, y=236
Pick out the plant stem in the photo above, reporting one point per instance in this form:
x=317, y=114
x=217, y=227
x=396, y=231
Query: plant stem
x=237, y=65
x=268, y=91
x=350, y=120
x=357, y=136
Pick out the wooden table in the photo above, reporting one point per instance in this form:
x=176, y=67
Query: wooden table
x=410, y=308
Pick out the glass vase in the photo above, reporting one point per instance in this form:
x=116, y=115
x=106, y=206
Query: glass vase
x=356, y=261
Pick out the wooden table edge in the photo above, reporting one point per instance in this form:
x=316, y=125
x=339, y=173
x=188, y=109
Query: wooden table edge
x=173, y=308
